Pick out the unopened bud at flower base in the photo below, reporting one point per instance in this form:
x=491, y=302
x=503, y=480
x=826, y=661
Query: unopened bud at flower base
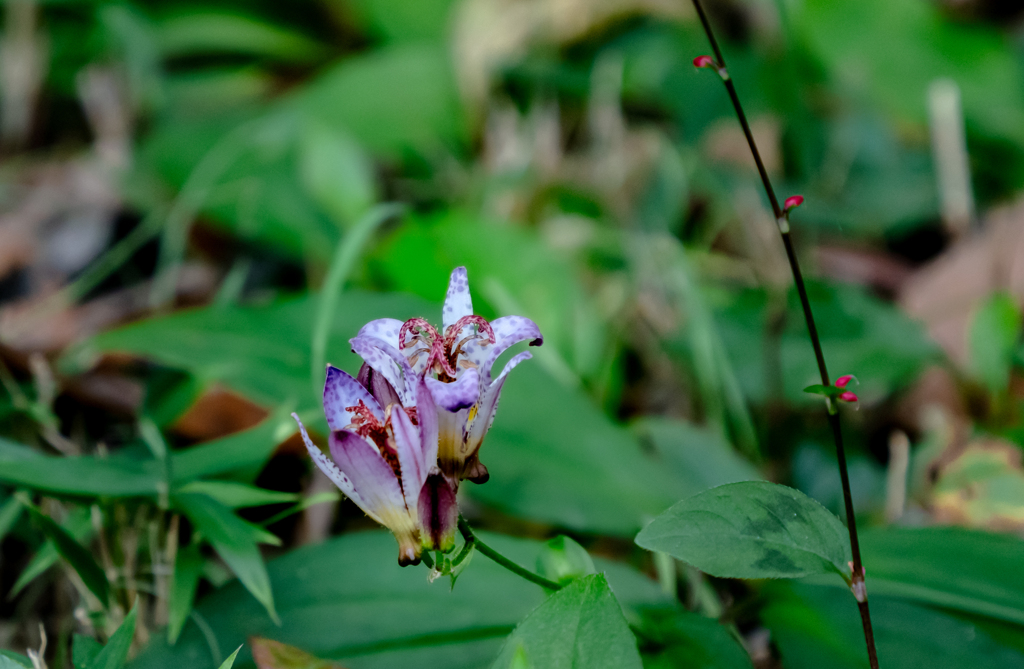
x=843, y=380
x=848, y=396
x=703, y=61
x=792, y=202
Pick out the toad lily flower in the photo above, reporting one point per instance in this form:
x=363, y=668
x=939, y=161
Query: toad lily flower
x=455, y=364
x=383, y=447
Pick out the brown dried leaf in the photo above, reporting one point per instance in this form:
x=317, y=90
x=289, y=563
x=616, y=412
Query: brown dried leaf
x=270, y=654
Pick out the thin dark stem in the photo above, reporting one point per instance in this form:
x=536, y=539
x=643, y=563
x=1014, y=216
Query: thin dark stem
x=781, y=218
x=467, y=534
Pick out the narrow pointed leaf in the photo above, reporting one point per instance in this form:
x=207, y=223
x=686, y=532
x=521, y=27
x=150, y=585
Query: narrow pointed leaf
x=188, y=566
x=115, y=652
x=78, y=556
x=234, y=540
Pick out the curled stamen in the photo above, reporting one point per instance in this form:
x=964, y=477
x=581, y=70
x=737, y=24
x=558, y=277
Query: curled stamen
x=427, y=334
x=455, y=328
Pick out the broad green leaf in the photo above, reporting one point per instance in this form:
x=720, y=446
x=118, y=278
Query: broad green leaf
x=236, y=495
x=563, y=560
x=581, y=625
x=115, y=652
x=205, y=32
x=78, y=524
x=813, y=627
x=84, y=650
x=690, y=640
x=954, y=568
x=993, y=337
x=336, y=173
x=400, y=21
x=234, y=540
x=898, y=49
x=699, y=458
x=394, y=98
x=860, y=334
x=188, y=566
x=751, y=530
x=11, y=660
x=80, y=559
x=79, y=476
x=348, y=601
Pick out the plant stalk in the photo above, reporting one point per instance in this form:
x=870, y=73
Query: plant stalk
x=781, y=217
x=467, y=534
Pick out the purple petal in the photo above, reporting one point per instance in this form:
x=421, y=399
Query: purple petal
x=341, y=391
x=416, y=445
x=374, y=480
x=387, y=360
x=385, y=329
x=457, y=302
x=439, y=514
x=460, y=394
x=336, y=476
x=378, y=386
x=487, y=407
x=508, y=330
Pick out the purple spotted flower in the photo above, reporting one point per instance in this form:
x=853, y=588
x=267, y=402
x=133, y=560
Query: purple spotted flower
x=383, y=444
x=455, y=365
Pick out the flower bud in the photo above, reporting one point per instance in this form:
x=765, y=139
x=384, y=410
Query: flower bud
x=703, y=61
x=848, y=396
x=843, y=380
x=792, y=202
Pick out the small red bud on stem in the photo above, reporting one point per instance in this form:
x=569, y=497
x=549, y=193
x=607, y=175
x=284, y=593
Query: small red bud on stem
x=703, y=61
x=792, y=202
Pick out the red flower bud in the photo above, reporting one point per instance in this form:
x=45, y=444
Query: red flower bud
x=848, y=396
x=703, y=61
x=793, y=201
x=843, y=380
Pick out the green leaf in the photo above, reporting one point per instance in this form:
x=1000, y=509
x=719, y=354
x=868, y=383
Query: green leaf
x=234, y=540
x=247, y=450
x=395, y=618
x=751, y=530
x=390, y=99
x=581, y=625
x=336, y=173
x=11, y=660
x=994, y=332
x=9, y=514
x=77, y=556
x=563, y=560
x=893, y=74
x=236, y=495
x=188, y=566
x=689, y=640
x=205, y=32
x=949, y=567
x=78, y=524
x=400, y=21
x=230, y=662
x=80, y=476
x=824, y=391
x=813, y=627
x=115, y=652
x=84, y=650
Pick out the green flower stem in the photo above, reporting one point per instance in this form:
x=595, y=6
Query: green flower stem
x=782, y=218
x=467, y=534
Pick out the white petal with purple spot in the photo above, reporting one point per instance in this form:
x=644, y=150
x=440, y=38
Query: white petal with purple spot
x=386, y=359
x=336, y=476
x=460, y=394
x=342, y=391
x=457, y=302
x=374, y=480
